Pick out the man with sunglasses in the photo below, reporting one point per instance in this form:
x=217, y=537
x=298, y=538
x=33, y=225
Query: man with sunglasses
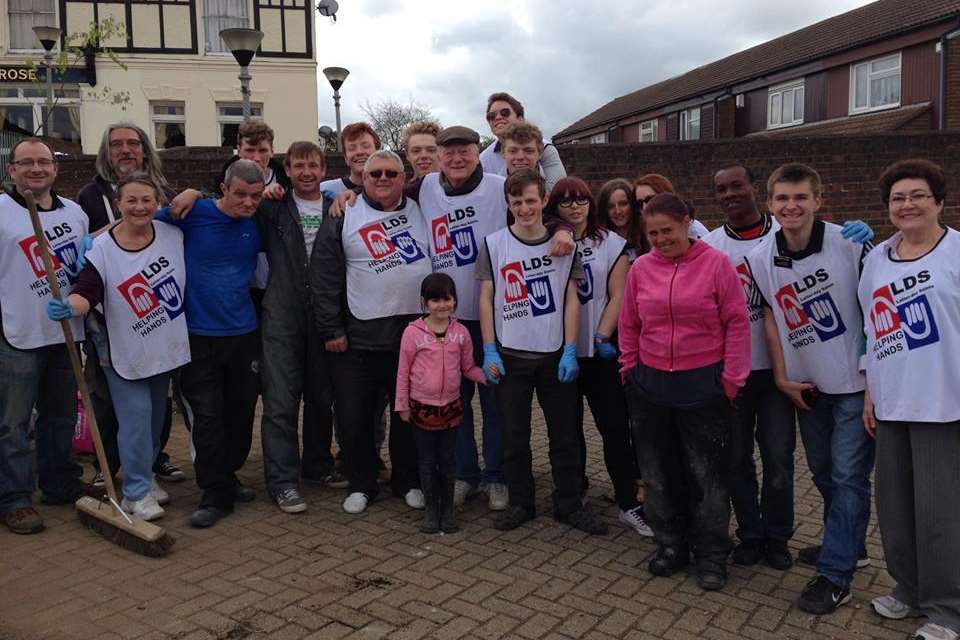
x=504, y=110
x=373, y=260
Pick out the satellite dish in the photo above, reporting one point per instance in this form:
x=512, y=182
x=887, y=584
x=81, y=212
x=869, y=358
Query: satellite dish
x=328, y=8
x=325, y=131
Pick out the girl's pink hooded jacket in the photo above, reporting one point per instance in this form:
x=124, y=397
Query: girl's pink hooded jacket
x=430, y=370
x=686, y=313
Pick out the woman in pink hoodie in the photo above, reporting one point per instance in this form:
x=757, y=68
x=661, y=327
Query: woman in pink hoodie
x=684, y=354
x=435, y=352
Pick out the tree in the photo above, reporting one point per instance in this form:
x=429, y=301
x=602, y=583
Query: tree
x=389, y=118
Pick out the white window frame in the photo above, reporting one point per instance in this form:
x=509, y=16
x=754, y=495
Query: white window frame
x=797, y=90
x=649, y=127
x=256, y=111
x=214, y=38
x=167, y=118
x=38, y=102
x=54, y=22
x=686, y=118
x=599, y=138
x=898, y=72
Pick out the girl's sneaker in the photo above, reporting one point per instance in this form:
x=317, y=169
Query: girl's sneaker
x=145, y=509
x=161, y=496
x=633, y=519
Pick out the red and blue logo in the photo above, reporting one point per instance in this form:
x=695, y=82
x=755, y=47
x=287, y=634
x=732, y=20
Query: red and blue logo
x=517, y=287
x=382, y=244
x=144, y=298
x=461, y=242
x=914, y=318
x=820, y=312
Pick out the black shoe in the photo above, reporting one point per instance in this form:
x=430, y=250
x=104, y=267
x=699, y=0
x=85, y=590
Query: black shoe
x=448, y=511
x=747, y=553
x=512, y=518
x=168, y=471
x=244, y=494
x=811, y=555
x=431, y=519
x=777, y=555
x=586, y=521
x=205, y=517
x=669, y=560
x=821, y=596
x=711, y=574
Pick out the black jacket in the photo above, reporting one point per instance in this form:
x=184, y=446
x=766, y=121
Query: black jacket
x=96, y=197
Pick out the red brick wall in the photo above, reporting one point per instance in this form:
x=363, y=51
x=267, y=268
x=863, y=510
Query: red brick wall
x=953, y=84
x=849, y=166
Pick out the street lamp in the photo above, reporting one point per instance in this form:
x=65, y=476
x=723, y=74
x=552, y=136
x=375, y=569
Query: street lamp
x=48, y=37
x=336, y=76
x=243, y=44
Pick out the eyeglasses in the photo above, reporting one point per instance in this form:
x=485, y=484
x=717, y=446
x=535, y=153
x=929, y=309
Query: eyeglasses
x=899, y=200
x=503, y=113
x=569, y=201
x=376, y=174
x=642, y=202
x=43, y=163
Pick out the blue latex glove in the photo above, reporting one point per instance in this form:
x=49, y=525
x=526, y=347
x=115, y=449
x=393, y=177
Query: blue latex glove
x=603, y=348
x=857, y=231
x=85, y=245
x=59, y=310
x=568, y=369
x=492, y=357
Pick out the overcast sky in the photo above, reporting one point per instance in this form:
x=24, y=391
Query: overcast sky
x=561, y=58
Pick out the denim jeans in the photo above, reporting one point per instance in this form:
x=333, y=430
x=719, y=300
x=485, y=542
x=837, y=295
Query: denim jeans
x=840, y=455
x=42, y=378
x=761, y=411
x=468, y=467
x=140, y=406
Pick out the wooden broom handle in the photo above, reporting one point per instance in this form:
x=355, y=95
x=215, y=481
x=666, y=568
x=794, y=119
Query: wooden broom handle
x=71, y=345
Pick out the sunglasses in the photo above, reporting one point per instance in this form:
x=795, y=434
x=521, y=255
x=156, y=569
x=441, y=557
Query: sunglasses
x=569, y=201
x=376, y=174
x=503, y=113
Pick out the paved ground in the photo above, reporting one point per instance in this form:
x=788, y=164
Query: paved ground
x=264, y=574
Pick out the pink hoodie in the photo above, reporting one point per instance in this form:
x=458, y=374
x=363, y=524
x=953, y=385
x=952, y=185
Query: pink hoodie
x=429, y=371
x=686, y=313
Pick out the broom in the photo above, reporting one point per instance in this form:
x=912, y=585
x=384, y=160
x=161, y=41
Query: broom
x=105, y=517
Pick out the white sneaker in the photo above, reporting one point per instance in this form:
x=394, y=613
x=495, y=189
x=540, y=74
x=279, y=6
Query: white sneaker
x=633, y=519
x=161, y=496
x=890, y=607
x=145, y=508
x=461, y=491
x=356, y=503
x=498, y=496
x=932, y=631
x=414, y=499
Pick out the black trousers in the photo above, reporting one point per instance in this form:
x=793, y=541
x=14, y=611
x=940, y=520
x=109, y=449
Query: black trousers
x=360, y=376
x=599, y=382
x=558, y=401
x=218, y=390
x=435, y=455
x=684, y=458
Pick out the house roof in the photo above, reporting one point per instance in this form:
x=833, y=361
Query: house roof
x=848, y=30
x=880, y=122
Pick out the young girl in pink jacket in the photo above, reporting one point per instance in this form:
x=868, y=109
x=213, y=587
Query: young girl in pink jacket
x=435, y=352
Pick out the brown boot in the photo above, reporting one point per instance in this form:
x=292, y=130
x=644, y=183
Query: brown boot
x=24, y=521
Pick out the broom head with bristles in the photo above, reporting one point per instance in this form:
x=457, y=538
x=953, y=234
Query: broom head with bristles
x=140, y=537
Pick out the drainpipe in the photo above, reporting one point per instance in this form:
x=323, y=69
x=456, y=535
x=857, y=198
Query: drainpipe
x=942, y=124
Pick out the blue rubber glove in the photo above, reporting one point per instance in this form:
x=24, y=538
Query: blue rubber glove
x=492, y=357
x=857, y=231
x=603, y=347
x=568, y=369
x=85, y=245
x=59, y=310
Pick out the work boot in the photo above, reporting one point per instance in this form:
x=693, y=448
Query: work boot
x=448, y=510
x=431, y=506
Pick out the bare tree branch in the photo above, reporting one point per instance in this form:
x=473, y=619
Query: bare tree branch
x=389, y=118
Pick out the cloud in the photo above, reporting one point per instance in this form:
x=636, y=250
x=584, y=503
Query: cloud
x=561, y=59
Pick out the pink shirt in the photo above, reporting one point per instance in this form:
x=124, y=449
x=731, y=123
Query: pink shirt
x=685, y=313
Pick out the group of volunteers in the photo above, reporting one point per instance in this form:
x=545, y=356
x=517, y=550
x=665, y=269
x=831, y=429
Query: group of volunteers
x=495, y=273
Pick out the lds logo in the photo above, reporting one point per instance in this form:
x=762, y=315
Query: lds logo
x=380, y=244
x=750, y=289
x=585, y=286
x=31, y=250
x=461, y=241
x=821, y=312
x=914, y=318
x=139, y=295
x=518, y=287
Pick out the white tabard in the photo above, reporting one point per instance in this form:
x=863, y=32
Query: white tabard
x=598, y=258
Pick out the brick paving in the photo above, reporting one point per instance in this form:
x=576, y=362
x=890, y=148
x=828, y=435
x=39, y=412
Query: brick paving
x=261, y=573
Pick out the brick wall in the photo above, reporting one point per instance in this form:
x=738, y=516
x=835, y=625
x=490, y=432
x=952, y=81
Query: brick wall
x=849, y=167
x=953, y=84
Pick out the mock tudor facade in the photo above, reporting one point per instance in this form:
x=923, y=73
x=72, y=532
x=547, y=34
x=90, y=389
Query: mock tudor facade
x=889, y=65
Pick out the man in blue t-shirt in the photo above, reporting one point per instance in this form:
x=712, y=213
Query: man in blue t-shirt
x=219, y=387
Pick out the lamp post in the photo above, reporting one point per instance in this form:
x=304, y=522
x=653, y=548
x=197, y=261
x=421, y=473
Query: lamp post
x=48, y=37
x=336, y=76
x=243, y=44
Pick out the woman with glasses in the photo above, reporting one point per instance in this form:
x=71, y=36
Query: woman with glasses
x=502, y=111
x=605, y=267
x=617, y=210
x=649, y=185
x=910, y=296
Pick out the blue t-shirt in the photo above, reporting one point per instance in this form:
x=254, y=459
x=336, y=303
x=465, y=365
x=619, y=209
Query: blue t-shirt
x=221, y=256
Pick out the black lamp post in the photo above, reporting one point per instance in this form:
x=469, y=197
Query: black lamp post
x=48, y=37
x=336, y=76
x=243, y=44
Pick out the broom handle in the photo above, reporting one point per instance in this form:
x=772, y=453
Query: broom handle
x=71, y=346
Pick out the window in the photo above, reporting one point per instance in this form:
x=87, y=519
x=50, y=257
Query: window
x=24, y=16
x=21, y=111
x=785, y=105
x=648, y=131
x=219, y=15
x=229, y=119
x=169, y=124
x=875, y=84
x=690, y=124
x=598, y=138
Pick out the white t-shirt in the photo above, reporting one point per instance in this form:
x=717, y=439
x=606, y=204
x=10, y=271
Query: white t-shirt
x=311, y=217
x=336, y=185
x=814, y=301
x=911, y=312
x=23, y=282
x=697, y=230
x=598, y=258
x=736, y=248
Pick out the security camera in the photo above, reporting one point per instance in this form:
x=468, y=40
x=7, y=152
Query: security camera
x=328, y=8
